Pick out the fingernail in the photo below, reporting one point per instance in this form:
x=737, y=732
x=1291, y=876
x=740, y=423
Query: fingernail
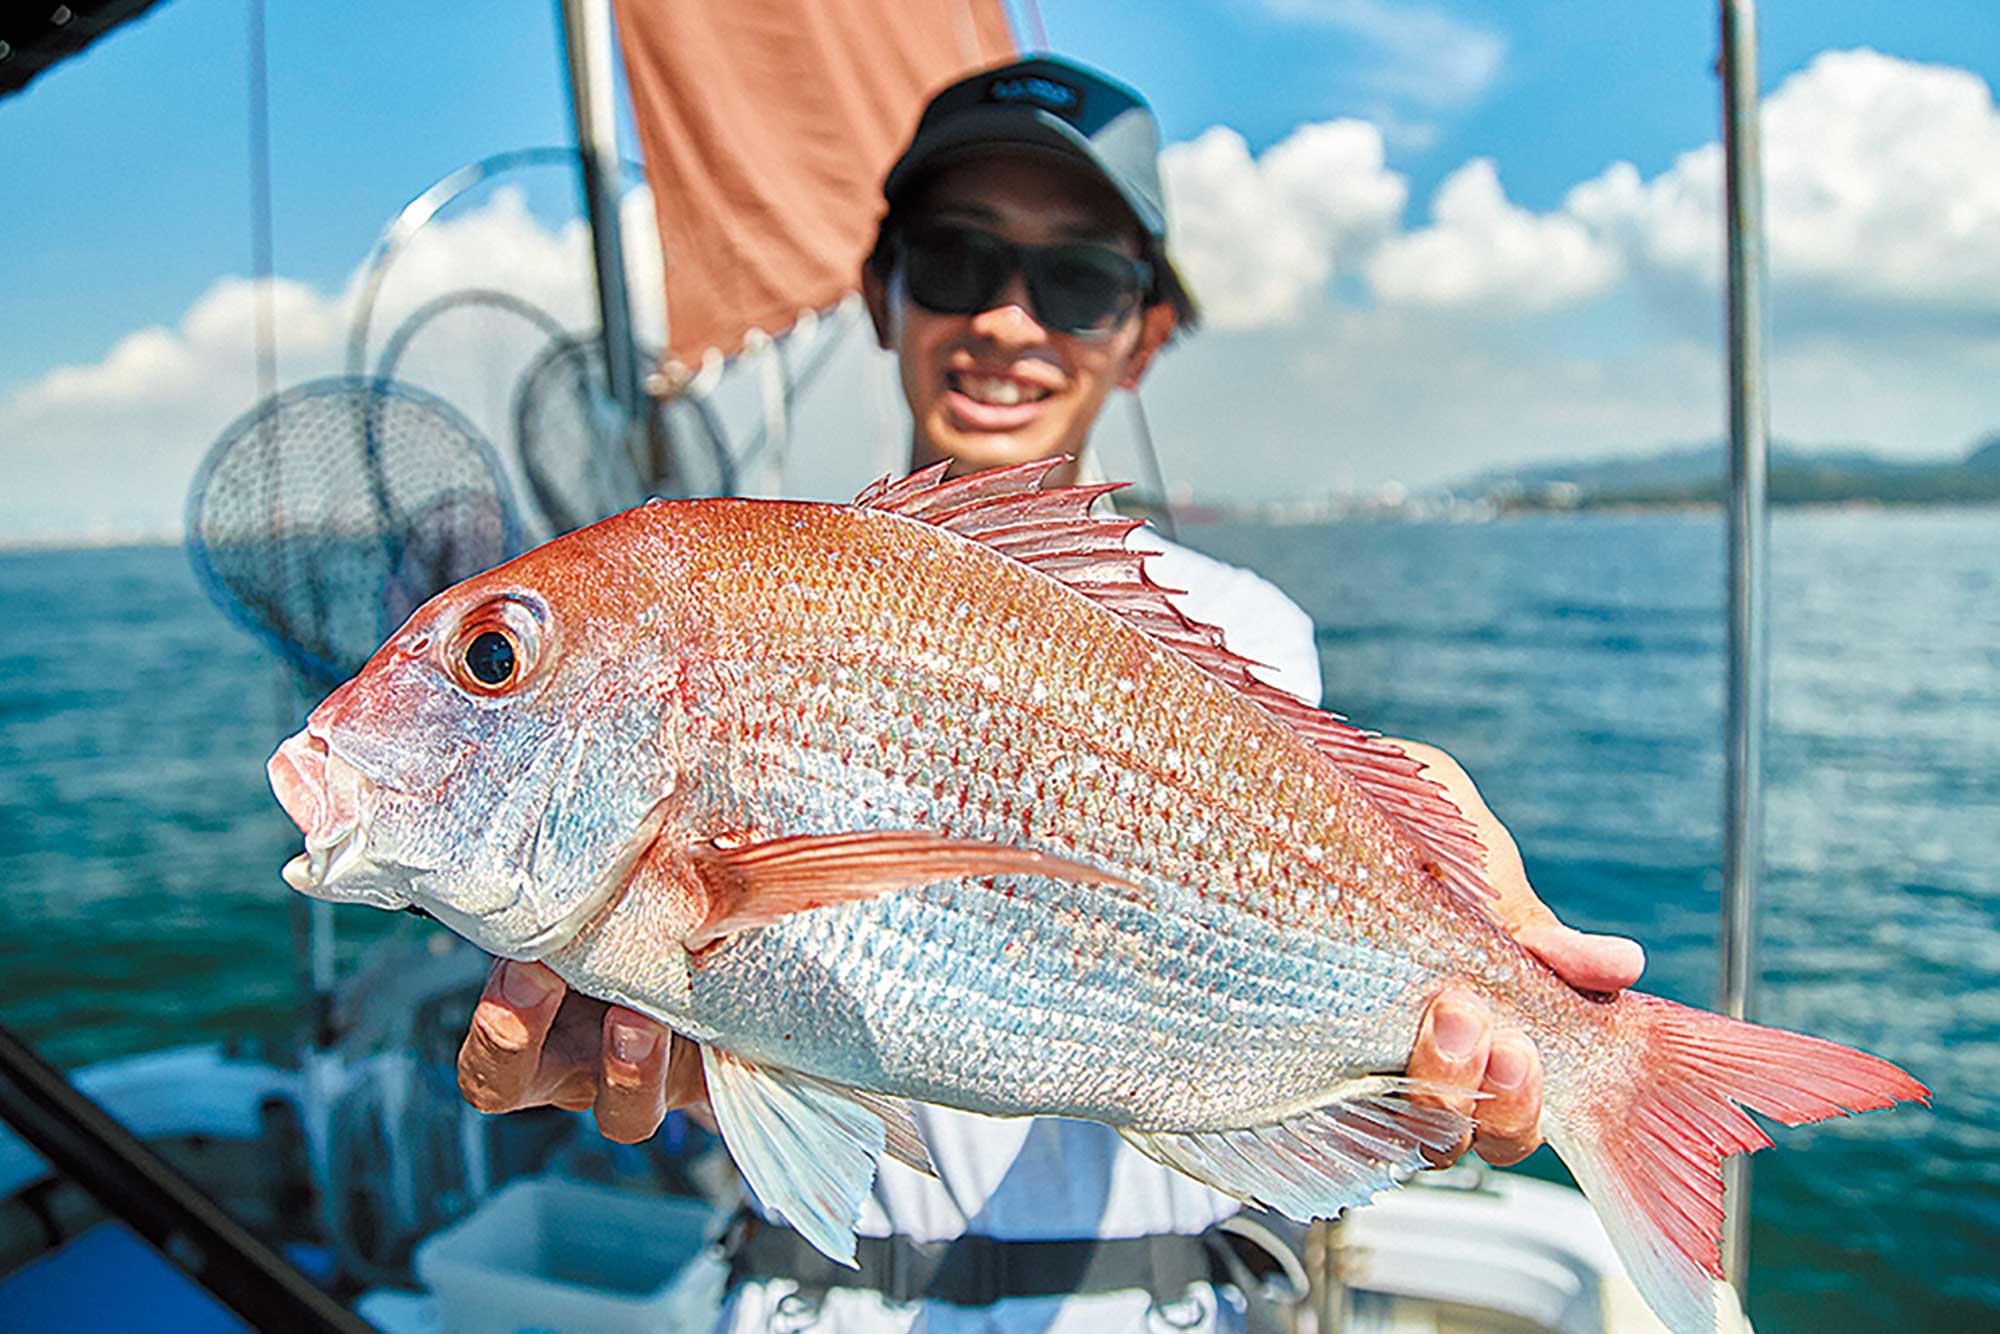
x=1455, y=1029
x=633, y=1045
x=524, y=985
x=1508, y=1065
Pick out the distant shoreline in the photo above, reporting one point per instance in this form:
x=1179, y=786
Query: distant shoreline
x=1632, y=506
x=1206, y=514
x=87, y=542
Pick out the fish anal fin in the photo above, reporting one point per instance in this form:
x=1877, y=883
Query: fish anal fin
x=1367, y=1136
x=808, y=1148
x=901, y=1138
x=1054, y=532
x=755, y=884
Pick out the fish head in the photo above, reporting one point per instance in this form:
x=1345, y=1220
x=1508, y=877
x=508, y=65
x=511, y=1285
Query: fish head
x=498, y=763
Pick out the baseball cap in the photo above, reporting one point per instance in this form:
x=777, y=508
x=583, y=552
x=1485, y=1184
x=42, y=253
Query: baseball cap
x=1057, y=106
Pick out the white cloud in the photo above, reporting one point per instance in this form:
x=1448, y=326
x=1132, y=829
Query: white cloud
x=1883, y=202
x=1425, y=54
x=1259, y=239
x=1881, y=186
x=1426, y=396
x=1482, y=250
x=110, y=446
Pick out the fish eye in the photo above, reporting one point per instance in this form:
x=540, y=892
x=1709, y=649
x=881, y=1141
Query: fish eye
x=490, y=658
x=494, y=649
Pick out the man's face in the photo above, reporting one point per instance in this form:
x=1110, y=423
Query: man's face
x=998, y=386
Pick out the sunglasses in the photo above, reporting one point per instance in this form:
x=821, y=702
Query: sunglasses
x=1076, y=287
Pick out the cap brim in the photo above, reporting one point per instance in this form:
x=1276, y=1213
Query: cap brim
x=979, y=129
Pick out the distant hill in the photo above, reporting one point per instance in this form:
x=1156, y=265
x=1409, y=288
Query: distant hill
x=1695, y=474
x=1985, y=457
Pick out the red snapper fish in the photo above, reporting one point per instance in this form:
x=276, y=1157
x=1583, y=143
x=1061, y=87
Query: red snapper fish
x=936, y=796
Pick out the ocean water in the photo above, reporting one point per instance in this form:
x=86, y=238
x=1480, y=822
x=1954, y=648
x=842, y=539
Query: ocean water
x=1573, y=663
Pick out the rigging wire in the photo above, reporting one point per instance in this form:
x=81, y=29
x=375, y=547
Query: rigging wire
x=1149, y=459
x=260, y=207
x=315, y=921
x=1035, y=29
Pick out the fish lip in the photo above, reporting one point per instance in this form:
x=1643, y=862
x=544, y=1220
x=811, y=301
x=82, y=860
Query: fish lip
x=330, y=800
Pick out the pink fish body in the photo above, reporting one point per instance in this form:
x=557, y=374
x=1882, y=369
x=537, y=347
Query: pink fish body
x=934, y=797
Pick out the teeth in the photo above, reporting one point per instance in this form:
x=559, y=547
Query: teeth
x=1001, y=391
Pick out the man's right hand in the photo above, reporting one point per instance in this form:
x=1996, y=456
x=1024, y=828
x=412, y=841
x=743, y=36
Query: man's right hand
x=534, y=1043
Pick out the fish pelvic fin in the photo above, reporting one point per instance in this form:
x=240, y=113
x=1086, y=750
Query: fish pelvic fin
x=755, y=884
x=1648, y=1149
x=1366, y=1137
x=808, y=1148
x=1054, y=532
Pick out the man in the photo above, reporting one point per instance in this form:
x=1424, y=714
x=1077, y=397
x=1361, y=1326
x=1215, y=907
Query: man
x=1020, y=277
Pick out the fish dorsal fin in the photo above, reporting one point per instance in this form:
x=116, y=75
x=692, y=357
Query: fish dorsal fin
x=1053, y=531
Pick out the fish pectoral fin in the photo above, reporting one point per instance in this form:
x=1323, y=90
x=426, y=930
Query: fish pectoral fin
x=755, y=884
x=807, y=1147
x=1364, y=1139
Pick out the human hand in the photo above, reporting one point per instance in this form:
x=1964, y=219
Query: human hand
x=1459, y=1042
x=532, y=1042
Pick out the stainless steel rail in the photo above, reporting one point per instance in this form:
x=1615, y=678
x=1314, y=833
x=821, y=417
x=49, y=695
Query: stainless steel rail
x=1743, y=796
x=132, y=1183
x=586, y=32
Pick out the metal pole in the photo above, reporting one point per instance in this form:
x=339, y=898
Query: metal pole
x=1743, y=805
x=85, y=1144
x=586, y=28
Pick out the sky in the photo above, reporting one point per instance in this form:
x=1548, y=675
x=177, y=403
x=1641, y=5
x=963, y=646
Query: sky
x=1429, y=238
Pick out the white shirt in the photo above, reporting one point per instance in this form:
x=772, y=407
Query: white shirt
x=1046, y=1179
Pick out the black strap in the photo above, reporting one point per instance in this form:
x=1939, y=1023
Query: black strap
x=974, y=1270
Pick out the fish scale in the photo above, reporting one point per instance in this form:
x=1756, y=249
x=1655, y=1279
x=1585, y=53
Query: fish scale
x=1117, y=996
x=936, y=797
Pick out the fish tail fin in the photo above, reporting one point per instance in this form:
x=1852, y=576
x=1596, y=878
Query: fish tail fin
x=1648, y=1152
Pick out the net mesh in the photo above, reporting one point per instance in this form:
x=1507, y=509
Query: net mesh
x=578, y=465
x=327, y=514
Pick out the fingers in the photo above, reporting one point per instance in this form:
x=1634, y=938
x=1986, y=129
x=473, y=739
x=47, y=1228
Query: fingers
x=631, y=1096
x=687, y=1083
x=1453, y=1044
x=1509, y=1117
x=1591, y=962
x=499, y=1061
x=1460, y=1047
x=531, y=1043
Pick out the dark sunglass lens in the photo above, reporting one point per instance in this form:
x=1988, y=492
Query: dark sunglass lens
x=1082, y=289
x=953, y=271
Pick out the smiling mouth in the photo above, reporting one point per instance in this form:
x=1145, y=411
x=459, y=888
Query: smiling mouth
x=1000, y=391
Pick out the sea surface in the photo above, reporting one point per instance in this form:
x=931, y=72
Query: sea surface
x=1573, y=663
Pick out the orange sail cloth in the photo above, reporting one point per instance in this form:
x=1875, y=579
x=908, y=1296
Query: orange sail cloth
x=767, y=127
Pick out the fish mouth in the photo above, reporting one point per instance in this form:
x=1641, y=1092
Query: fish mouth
x=329, y=800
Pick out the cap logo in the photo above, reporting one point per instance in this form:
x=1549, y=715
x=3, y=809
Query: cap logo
x=1064, y=99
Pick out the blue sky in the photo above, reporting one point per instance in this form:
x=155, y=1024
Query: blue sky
x=129, y=202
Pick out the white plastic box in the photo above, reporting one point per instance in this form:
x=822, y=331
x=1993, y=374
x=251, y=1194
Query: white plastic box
x=548, y=1255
